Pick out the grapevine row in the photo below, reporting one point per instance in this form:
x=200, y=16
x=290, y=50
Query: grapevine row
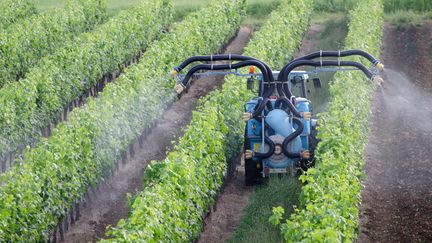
x=331, y=194
x=180, y=189
x=58, y=80
x=54, y=175
x=25, y=43
x=12, y=11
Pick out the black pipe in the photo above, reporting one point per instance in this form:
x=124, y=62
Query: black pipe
x=280, y=90
x=268, y=91
x=220, y=57
x=287, y=90
x=271, y=144
x=230, y=57
x=258, y=64
x=318, y=54
x=299, y=63
x=259, y=107
x=291, y=137
x=288, y=104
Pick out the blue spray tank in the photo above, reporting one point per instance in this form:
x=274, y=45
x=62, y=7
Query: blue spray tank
x=282, y=125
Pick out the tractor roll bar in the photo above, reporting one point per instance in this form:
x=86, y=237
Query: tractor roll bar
x=258, y=64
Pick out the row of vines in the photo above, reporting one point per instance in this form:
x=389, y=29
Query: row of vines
x=12, y=11
x=22, y=45
x=331, y=194
x=54, y=175
x=179, y=190
x=59, y=79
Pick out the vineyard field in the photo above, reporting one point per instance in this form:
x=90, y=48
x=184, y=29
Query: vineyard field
x=215, y=121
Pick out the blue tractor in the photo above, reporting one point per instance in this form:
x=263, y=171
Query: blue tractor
x=280, y=131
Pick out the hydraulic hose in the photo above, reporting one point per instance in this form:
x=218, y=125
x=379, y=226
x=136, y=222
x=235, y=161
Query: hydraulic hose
x=318, y=54
x=299, y=63
x=288, y=104
x=259, y=65
x=290, y=138
x=271, y=145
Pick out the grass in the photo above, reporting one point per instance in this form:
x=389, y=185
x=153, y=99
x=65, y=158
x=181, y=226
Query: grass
x=415, y=5
x=333, y=6
x=407, y=16
x=255, y=226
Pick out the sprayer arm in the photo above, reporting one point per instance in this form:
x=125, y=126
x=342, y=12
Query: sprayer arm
x=320, y=54
x=183, y=84
x=219, y=57
x=287, y=70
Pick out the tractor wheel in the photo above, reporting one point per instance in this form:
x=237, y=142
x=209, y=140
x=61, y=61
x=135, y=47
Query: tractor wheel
x=313, y=142
x=252, y=173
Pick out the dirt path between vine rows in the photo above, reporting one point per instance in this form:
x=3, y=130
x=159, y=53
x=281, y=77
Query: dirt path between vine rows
x=397, y=199
x=109, y=203
x=228, y=211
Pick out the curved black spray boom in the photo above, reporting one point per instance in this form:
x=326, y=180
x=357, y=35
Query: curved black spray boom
x=297, y=63
x=321, y=54
x=219, y=57
x=267, y=76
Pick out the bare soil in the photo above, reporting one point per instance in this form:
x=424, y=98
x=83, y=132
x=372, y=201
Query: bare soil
x=397, y=198
x=228, y=211
x=309, y=42
x=109, y=203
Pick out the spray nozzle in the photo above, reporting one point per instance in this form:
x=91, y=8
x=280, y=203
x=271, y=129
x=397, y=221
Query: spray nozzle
x=380, y=66
x=305, y=154
x=378, y=80
x=174, y=73
x=179, y=88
